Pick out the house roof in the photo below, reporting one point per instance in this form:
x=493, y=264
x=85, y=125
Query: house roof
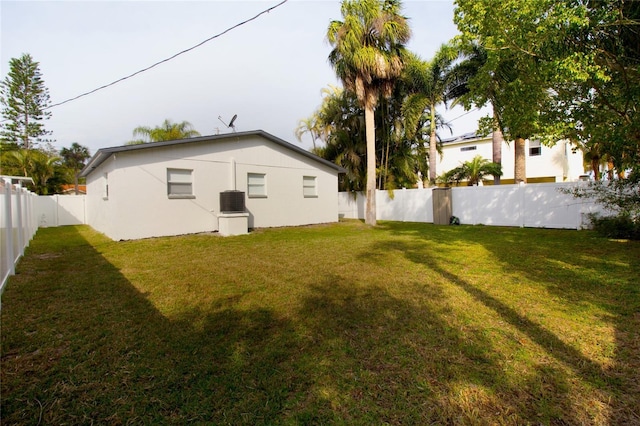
x=463, y=138
x=102, y=154
x=70, y=188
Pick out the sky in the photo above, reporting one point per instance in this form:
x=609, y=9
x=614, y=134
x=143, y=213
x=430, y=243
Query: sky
x=270, y=71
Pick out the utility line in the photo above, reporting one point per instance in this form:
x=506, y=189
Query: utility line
x=169, y=58
x=460, y=116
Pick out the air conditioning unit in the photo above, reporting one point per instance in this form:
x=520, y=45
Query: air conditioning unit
x=232, y=202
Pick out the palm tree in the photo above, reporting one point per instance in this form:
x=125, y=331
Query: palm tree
x=74, y=158
x=367, y=56
x=308, y=125
x=431, y=81
x=471, y=60
x=167, y=131
x=43, y=167
x=18, y=160
x=472, y=171
x=340, y=125
x=34, y=163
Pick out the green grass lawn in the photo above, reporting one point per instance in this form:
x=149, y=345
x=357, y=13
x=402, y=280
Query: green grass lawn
x=332, y=324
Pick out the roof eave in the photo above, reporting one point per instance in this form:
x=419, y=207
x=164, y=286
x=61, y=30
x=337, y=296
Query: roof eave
x=102, y=154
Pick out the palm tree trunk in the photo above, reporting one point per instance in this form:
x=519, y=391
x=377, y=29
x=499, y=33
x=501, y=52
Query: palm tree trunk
x=520, y=165
x=595, y=166
x=496, y=142
x=432, y=148
x=370, y=211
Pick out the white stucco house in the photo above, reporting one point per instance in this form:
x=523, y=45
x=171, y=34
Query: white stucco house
x=173, y=187
x=558, y=163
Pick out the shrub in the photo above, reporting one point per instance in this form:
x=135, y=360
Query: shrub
x=621, y=226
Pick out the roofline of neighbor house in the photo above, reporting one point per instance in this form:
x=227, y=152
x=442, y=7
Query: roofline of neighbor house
x=465, y=137
x=103, y=153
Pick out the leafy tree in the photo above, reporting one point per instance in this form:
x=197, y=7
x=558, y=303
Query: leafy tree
x=367, y=56
x=167, y=131
x=472, y=171
x=74, y=158
x=595, y=103
x=512, y=33
x=621, y=197
x=24, y=99
x=577, y=68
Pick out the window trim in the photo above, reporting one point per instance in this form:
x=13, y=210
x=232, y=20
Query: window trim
x=105, y=187
x=171, y=183
x=535, y=149
x=314, y=187
x=263, y=185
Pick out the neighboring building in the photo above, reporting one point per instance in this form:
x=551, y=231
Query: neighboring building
x=173, y=187
x=558, y=163
x=70, y=189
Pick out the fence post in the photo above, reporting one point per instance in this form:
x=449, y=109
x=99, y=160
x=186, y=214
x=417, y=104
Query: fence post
x=8, y=188
x=521, y=188
x=19, y=223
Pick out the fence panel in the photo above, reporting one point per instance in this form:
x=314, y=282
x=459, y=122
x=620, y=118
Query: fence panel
x=17, y=226
x=60, y=210
x=488, y=205
x=6, y=231
x=532, y=205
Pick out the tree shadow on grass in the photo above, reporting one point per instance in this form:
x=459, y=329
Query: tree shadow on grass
x=566, y=263
x=81, y=344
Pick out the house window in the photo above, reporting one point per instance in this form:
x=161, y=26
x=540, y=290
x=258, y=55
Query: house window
x=180, y=183
x=534, y=148
x=105, y=188
x=257, y=185
x=309, y=188
x=468, y=148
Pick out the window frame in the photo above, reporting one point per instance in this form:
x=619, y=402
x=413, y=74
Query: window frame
x=105, y=187
x=179, y=183
x=314, y=187
x=252, y=186
x=535, y=149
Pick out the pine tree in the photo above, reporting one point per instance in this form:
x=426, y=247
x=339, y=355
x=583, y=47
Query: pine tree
x=24, y=99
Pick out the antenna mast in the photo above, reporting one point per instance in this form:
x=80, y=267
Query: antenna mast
x=230, y=125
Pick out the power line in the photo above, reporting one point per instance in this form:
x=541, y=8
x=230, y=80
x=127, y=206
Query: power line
x=460, y=116
x=169, y=58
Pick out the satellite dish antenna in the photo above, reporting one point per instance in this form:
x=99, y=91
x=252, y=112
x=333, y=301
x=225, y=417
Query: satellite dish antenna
x=230, y=125
x=232, y=121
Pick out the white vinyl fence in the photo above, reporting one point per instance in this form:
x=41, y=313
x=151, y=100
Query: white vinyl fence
x=23, y=212
x=60, y=210
x=539, y=205
x=17, y=226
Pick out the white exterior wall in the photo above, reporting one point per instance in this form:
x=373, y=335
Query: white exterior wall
x=285, y=204
x=98, y=209
x=556, y=161
x=138, y=205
